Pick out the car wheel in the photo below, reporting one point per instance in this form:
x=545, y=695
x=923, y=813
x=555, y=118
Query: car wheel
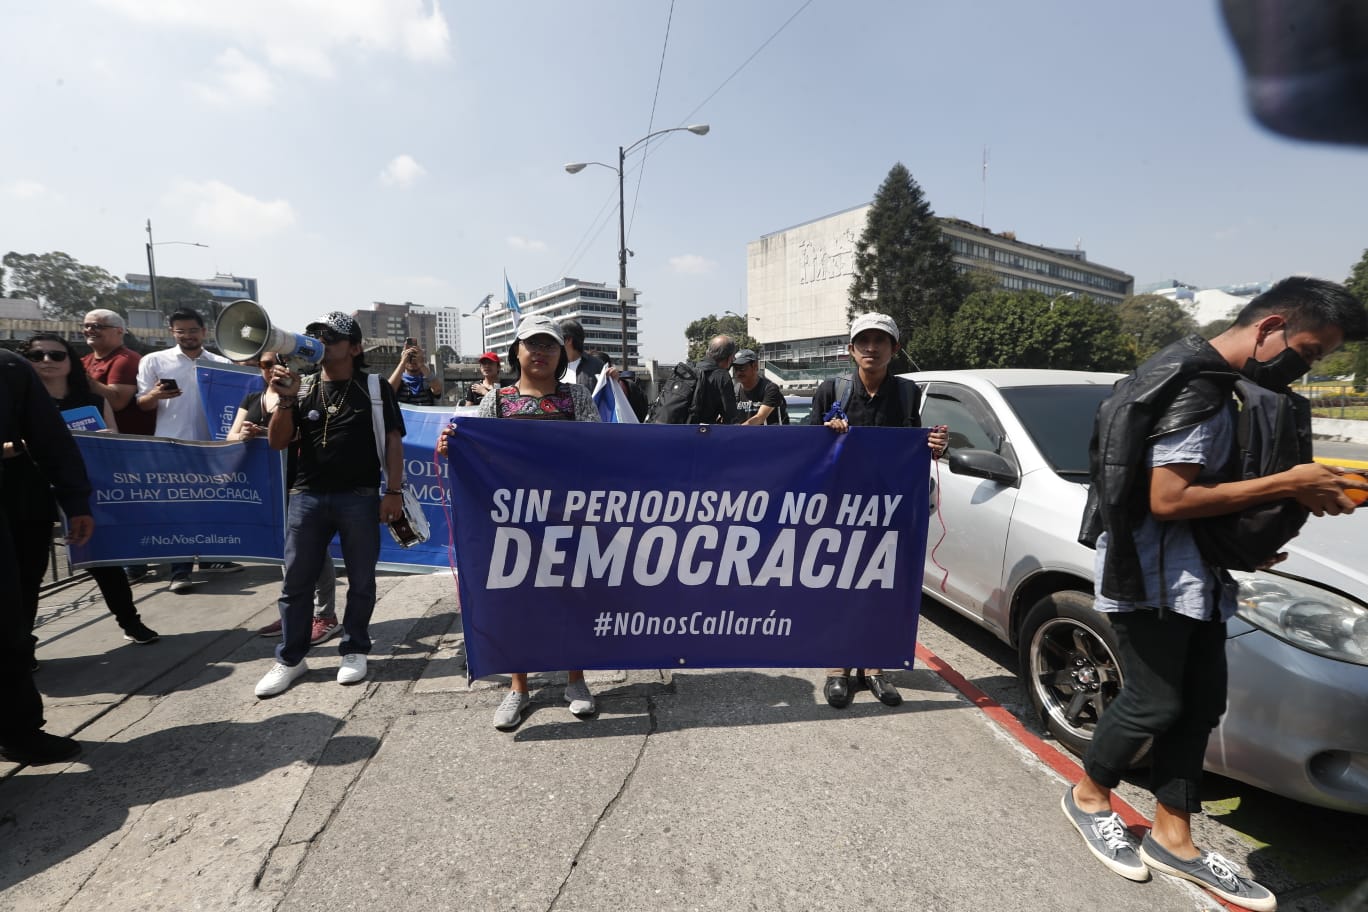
x=1068, y=654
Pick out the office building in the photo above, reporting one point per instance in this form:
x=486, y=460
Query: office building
x=594, y=304
x=798, y=285
x=393, y=323
x=448, y=323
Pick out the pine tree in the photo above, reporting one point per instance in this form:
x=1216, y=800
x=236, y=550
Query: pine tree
x=904, y=268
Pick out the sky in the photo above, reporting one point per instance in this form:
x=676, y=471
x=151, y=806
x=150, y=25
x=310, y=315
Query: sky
x=350, y=151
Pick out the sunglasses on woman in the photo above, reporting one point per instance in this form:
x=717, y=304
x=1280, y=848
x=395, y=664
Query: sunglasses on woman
x=267, y=365
x=36, y=356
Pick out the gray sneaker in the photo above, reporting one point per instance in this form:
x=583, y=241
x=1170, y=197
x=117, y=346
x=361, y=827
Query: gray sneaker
x=509, y=714
x=1212, y=872
x=580, y=699
x=1107, y=838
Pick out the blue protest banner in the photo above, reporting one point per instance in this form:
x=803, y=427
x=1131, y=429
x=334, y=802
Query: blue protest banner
x=85, y=418
x=155, y=499
x=221, y=389
x=612, y=546
x=427, y=481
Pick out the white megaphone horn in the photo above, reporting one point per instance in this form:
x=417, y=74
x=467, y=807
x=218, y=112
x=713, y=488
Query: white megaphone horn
x=244, y=331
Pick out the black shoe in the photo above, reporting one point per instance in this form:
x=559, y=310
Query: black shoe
x=140, y=633
x=837, y=691
x=39, y=748
x=880, y=687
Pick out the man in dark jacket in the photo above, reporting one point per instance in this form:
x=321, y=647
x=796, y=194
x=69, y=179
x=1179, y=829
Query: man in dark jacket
x=31, y=426
x=1163, y=460
x=715, y=399
x=583, y=368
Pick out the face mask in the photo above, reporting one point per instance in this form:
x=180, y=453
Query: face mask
x=1279, y=371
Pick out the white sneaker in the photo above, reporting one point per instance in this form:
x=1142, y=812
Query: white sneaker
x=279, y=678
x=353, y=668
x=509, y=714
x=580, y=699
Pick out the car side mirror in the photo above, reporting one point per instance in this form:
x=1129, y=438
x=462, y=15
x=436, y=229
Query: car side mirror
x=984, y=464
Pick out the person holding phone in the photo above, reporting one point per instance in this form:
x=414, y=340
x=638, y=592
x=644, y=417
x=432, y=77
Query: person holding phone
x=168, y=385
x=410, y=381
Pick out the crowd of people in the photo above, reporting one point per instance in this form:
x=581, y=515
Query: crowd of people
x=1163, y=462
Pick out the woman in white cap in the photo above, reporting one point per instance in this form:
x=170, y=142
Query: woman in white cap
x=540, y=357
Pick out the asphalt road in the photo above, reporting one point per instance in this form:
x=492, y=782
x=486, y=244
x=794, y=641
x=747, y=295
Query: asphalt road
x=1280, y=840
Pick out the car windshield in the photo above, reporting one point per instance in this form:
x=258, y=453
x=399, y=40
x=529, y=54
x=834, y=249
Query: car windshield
x=799, y=407
x=1059, y=420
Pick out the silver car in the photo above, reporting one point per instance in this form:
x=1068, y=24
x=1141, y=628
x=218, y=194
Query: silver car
x=1297, y=716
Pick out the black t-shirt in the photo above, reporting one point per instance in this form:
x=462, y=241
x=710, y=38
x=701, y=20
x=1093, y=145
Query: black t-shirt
x=765, y=392
x=884, y=409
x=424, y=396
x=257, y=414
x=337, y=449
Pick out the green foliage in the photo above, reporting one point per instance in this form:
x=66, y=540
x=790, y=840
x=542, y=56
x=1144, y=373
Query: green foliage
x=63, y=286
x=1154, y=321
x=1358, y=278
x=904, y=268
x=1004, y=329
x=174, y=294
x=700, y=332
x=1357, y=283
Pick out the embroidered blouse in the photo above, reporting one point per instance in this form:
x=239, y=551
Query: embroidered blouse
x=570, y=402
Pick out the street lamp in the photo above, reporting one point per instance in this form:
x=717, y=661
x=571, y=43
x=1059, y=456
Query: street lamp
x=152, y=263
x=482, y=308
x=577, y=167
x=1067, y=294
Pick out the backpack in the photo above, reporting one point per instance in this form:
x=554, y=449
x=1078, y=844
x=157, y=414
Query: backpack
x=676, y=398
x=909, y=395
x=1273, y=434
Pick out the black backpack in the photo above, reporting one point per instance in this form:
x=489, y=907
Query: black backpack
x=676, y=398
x=1273, y=434
x=909, y=396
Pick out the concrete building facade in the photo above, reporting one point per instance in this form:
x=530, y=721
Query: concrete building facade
x=393, y=323
x=448, y=325
x=593, y=304
x=798, y=284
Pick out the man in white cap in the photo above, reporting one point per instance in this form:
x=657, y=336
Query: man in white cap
x=337, y=491
x=870, y=397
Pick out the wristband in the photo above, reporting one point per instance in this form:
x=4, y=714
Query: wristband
x=389, y=492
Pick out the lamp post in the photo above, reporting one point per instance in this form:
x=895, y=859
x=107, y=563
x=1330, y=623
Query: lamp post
x=152, y=262
x=482, y=308
x=577, y=167
x=1067, y=294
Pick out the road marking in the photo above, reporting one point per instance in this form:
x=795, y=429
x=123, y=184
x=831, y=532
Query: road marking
x=1347, y=463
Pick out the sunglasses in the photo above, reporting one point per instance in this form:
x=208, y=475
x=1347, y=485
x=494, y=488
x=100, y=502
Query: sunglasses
x=95, y=327
x=267, y=365
x=36, y=356
x=541, y=343
x=327, y=336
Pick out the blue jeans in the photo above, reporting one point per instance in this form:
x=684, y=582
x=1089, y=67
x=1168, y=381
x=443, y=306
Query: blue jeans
x=312, y=519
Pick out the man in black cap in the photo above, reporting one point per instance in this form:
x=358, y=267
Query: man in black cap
x=337, y=490
x=758, y=399
x=31, y=426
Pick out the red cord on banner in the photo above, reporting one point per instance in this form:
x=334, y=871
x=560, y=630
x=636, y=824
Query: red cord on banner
x=940, y=516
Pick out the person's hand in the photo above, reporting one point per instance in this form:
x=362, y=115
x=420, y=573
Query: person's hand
x=413, y=357
x=1275, y=559
x=480, y=388
x=442, y=445
x=79, y=529
x=391, y=507
x=1320, y=488
x=938, y=440
x=251, y=429
x=839, y=425
x=612, y=372
x=160, y=392
x=284, y=381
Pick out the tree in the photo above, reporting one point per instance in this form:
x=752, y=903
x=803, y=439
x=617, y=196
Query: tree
x=1154, y=321
x=1358, y=284
x=63, y=286
x=904, y=268
x=175, y=294
x=1004, y=329
x=1358, y=278
x=700, y=331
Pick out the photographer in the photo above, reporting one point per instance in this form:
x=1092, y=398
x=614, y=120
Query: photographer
x=411, y=383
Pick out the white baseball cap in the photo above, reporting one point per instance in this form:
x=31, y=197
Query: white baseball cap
x=874, y=321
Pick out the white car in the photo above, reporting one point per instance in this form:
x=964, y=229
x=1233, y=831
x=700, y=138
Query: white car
x=1297, y=716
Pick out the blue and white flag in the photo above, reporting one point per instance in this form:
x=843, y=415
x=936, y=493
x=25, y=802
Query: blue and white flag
x=512, y=301
x=655, y=547
x=612, y=403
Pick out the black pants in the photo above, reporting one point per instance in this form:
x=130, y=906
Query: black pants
x=1175, y=693
x=21, y=708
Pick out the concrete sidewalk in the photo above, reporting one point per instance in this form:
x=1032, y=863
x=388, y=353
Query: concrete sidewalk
x=705, y=790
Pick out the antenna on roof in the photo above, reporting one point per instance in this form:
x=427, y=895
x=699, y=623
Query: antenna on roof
x=983, y=213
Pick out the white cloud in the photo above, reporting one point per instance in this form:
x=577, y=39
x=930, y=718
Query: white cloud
x=24, y=189
x=692, y=264
x=402, y=172
x=215, y=206
x=303, y=35
x=237, y=79
x=518, y=243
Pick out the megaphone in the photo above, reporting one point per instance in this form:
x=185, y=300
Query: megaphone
x=244, y=331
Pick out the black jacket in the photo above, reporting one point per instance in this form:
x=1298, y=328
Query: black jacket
x=715, y=399
x=27, y=414
x=1179, y=387
x=587, y=374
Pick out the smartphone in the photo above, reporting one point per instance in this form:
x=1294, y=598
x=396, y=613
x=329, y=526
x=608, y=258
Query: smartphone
x=167, y=383
x=410, y=343
x=627, y=375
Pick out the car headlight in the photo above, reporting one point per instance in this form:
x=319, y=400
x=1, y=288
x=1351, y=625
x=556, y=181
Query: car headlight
x=1315, y=619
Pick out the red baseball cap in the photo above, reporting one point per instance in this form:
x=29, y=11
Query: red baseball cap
x=489, y=356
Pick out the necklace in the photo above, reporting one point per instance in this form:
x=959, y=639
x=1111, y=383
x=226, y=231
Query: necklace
x=331, y=407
